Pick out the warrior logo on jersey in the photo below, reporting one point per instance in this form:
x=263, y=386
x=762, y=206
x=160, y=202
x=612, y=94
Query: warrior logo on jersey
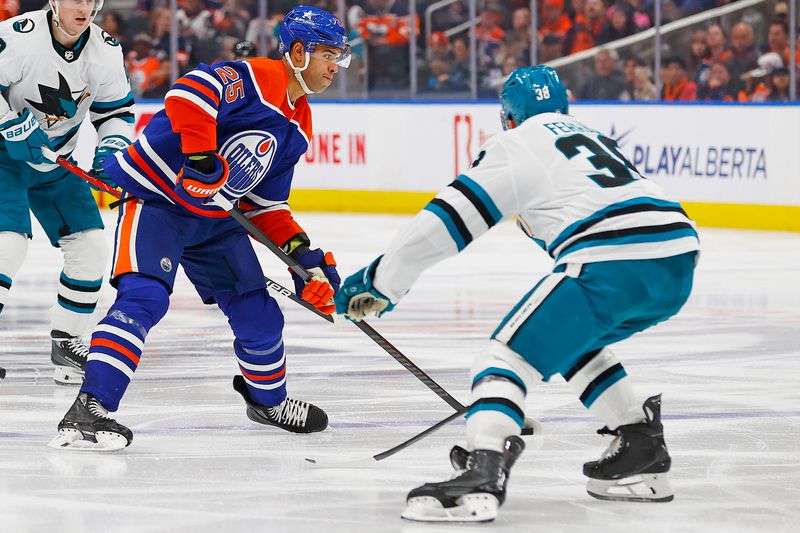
x=58, y=104
x=23, y=26
x=249, y=155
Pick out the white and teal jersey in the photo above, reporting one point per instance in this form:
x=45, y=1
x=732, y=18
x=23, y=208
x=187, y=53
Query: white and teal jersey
x=60, y=86
x=573, y=191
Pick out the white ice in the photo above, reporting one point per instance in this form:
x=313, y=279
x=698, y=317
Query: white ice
x=728, y=366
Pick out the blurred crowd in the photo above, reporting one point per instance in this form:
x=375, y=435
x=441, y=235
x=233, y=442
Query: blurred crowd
x=721, y=62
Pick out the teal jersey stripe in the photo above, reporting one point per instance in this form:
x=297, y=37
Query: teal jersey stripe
x=494, y=371
x=631, y=239
x=497, y=407
x=112, y=105
x=569, y=230
x=5, y=278
x=483, y=195
x=75, y=309
x=82, y=282
x=613, y=378
x=449, y=224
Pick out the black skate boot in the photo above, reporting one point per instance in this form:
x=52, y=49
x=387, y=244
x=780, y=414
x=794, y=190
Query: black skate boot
x=473, y=494
x=69, y=355
x=634, y=467
x=292, y=415
x=87, y=426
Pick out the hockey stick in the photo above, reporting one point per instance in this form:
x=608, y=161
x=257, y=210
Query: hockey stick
x=391, y=451
x=293, y=265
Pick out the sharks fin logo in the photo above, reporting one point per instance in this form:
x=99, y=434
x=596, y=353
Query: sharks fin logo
x=57, y=104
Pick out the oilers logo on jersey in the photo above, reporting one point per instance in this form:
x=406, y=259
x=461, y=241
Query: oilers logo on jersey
x=249, y=155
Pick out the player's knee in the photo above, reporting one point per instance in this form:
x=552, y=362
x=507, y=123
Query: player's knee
x=142, y=299
x=253, y=316
x=85, y=254
x=13, y=249
x=500, y=356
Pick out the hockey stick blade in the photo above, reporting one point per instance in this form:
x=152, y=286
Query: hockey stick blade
x=363, y=461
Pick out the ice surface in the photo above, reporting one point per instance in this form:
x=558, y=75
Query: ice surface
x=728, y=366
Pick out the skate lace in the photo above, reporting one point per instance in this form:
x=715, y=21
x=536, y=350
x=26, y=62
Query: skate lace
x=291, y=411
x=97, y=409
x=615, y=446
x=77, y=347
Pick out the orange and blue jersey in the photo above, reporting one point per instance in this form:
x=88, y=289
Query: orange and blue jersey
x=241, y=110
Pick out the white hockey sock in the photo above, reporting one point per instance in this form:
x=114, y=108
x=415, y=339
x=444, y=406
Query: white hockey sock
x=499, y=385
x=604, y=388
x=13, y=249
x=85, y=258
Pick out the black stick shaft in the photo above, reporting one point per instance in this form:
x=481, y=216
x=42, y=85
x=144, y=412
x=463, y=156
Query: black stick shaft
x=419, y=436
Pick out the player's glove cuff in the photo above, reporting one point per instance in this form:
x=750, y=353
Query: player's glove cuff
x=202, y=177
x=358, y=297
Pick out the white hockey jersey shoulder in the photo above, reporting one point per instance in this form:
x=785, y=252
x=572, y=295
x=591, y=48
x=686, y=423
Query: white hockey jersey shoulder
x=570, y=187
x=61, y=85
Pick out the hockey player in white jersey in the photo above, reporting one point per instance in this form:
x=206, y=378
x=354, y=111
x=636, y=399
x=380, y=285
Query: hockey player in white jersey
x=624, y=260
x=55, y=67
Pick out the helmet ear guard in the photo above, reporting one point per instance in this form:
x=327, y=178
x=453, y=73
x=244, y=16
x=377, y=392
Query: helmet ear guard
x=531, y=91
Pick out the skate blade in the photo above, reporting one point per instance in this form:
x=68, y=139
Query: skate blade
x=72, y=439
x=479, y=507
x=67, y=375
x=642, y=488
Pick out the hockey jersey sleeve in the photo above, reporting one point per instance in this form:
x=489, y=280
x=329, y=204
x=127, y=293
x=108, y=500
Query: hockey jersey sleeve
x=192, y=105
x=9, y=73
x=463, y=211
x=111, y=112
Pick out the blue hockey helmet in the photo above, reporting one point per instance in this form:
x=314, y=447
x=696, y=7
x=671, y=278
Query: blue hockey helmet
x=530, y=91
x=313, y=26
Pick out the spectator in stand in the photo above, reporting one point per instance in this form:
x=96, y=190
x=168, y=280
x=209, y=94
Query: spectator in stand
x=780, y=85
x=450, y=16
x=629, y=75
x=678, y=87
x=231, y=20
x=439, y=47
x=459, y=75
x=148, y=79
x=699, y=57
x=587, y=28
x=113, y=24
x=689, y=7
x=717, y=43
x=553, y=19
x=518, y=39
x=549, y=48
x=244, y=50
x=607, y=82
x=641, y=19
x=778, y=39
x=491, y=50
x=743, y=55
x=385, y=29
x=643, y=88
x=619, y=25
x=8, y=9
x=717, y=88
x=194, y=21
x=758, y=82
x=160, y=28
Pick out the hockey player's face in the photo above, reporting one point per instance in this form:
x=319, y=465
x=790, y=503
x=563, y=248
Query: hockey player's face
x=322, y=68
x=75, y=15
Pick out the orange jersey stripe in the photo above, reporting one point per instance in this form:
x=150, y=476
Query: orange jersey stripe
x=116, y=347
x=200, y=88
x=253, y=377
x=123, y=263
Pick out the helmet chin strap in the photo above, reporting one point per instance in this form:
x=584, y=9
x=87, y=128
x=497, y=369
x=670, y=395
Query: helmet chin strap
x=298, y=72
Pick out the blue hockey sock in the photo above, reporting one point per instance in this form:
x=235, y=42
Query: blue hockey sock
x=118, y=339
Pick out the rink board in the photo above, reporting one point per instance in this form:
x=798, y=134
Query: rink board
x=734, y=166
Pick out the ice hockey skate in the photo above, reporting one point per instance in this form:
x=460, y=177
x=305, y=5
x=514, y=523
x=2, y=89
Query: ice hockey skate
x=473, y=494
x=635, y=466
x=292, y=415
x=87, y=426
x=69, y=354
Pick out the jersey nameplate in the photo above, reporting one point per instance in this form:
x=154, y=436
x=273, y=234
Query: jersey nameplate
x=23, y=26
